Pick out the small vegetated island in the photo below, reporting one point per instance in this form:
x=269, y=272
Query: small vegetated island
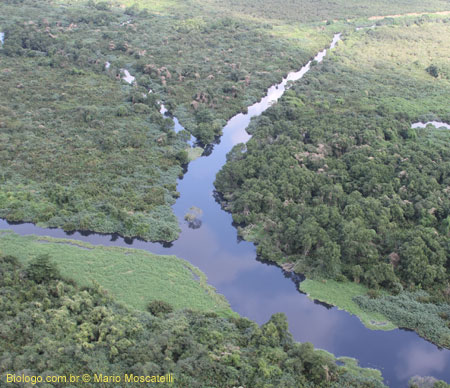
x=336, y=184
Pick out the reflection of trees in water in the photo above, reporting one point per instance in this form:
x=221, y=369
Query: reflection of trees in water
x=193, y=217
x=195, y=224
x=326, y=305
x=113, y=237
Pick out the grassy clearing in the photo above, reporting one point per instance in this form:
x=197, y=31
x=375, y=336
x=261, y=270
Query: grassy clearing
x=134, y=277
x=341, y=294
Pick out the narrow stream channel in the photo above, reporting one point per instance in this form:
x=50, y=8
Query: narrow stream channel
x=257, y=290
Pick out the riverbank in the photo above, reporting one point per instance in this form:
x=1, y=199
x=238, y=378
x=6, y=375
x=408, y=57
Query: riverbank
x=341, y=295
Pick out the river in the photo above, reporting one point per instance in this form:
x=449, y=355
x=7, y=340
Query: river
x=257, y=290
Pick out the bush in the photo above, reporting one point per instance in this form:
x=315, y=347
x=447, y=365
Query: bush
x=41, y=269
x=122, y=111
x=433, y=71
x=159, y=307
x=341, y=278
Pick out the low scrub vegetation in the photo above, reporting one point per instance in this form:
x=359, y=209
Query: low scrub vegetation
x=414, y=310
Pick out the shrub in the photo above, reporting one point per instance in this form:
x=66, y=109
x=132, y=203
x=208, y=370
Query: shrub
x=433, y=71
x=41, y=269
x=159, y=307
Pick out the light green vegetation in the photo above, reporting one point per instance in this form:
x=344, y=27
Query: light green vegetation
x=134, y=277
x=415, y=310
x=318, y=10
x=341, y=294
x=194, y=153
x=336, y=184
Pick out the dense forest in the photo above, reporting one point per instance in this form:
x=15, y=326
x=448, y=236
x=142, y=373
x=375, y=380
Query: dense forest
x=335, y=183
x=49, y=326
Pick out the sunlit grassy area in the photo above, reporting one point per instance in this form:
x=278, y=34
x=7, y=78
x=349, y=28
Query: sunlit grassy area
x=152, y=5
x=318, y=10
x=341, y=294
x=134, y=277
x=155, y=5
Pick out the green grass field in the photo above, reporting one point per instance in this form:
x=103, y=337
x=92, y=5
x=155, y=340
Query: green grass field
x=133, y=277
x=341, y=294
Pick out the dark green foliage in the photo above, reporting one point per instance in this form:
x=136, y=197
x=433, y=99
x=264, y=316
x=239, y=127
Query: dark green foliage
x=84, y=331
x=433, y=70
x=159, y=307
x=41, y=269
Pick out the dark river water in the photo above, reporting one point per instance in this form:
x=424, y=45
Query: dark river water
x=257, y=290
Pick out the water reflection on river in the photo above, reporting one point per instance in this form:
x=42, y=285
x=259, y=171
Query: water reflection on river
x=258, y=290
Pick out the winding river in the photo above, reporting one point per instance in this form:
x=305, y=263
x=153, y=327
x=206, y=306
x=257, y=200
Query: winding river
x=257, y=290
